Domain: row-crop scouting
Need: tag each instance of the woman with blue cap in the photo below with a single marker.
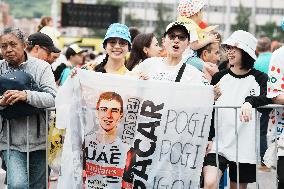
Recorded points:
(117, 43)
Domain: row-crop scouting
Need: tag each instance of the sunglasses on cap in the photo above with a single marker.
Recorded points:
(114, 41)
(181, 37)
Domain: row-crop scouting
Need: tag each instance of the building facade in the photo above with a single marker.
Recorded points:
(218, 12)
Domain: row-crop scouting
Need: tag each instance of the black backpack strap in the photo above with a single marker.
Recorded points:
(38, 125)
(3, 125)
(180, 72)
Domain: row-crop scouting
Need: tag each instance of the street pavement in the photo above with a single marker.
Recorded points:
(267, 180)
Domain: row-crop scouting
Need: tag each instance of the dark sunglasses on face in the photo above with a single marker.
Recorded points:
(228, 48)
(181, 37)
(121, 42)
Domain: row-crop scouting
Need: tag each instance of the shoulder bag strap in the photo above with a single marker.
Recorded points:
(180, 72)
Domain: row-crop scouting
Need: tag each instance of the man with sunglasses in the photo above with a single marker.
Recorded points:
(175, 41)
(41, 46)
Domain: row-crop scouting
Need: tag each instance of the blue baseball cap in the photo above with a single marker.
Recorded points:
(118, 30)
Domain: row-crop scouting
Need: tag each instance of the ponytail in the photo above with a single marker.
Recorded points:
(101, 66)
(39, 27)
(133, 60)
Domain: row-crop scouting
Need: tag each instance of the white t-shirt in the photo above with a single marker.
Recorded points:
(235, 90)
(105, 164)
(157, 69)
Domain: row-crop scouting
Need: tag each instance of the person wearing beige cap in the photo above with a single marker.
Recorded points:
(240, 84)
(75, 57)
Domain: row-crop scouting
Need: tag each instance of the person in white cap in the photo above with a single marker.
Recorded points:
(176, 40)
(239, 84)
(190, 13)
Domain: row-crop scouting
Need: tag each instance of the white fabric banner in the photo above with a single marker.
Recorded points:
(137, 134)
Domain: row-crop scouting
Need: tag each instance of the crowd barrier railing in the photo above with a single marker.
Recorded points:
(48, 112)
(257, 139)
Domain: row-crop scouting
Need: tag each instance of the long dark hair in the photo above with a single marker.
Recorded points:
(101, 66)
(247, 60)
(137, 54)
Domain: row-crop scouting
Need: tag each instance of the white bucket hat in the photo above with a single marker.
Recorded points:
(243, 40)
(188, 8)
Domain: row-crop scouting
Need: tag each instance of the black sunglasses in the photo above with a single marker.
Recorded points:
(181, 37)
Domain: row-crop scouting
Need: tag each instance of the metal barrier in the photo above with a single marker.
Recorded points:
(236, 109)
(47, 115)
(8, 133)
(257, 139)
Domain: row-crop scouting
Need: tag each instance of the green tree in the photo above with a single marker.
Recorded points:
(111, 2)
(131, 21)
(37, 14)
(163, 14)
(271, 30)
(29, 9)
(242, 19)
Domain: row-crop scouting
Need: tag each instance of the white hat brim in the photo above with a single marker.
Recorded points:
(240, 45)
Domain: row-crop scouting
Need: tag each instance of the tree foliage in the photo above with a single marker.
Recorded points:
(111, 2)
(271, 30)
(131, 21)
(29, 8)
(163, 14)
(100, 33)
(242, 19)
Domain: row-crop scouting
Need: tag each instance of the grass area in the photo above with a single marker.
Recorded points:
(29, 8)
